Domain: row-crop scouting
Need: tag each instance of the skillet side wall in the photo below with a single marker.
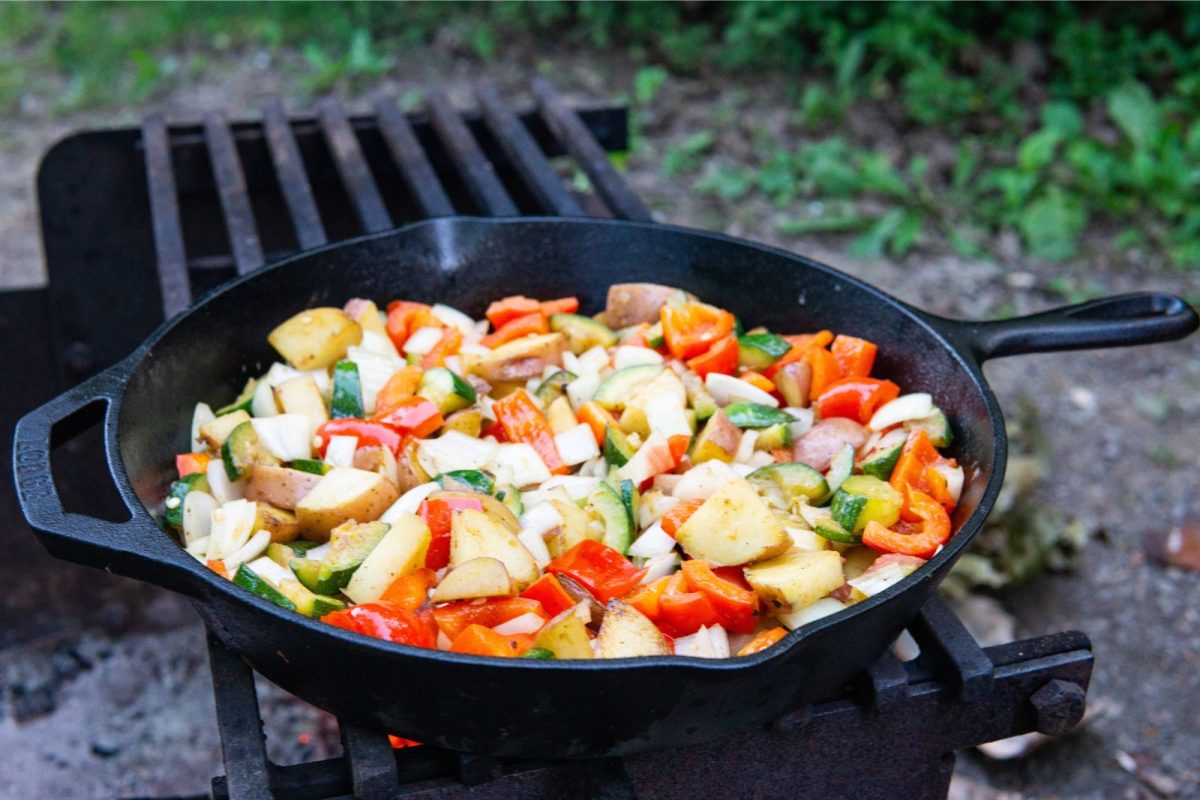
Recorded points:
(572, 709)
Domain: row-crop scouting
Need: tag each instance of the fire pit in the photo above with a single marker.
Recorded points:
(186, 207)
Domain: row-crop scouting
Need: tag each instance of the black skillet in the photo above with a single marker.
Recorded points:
(520, 707)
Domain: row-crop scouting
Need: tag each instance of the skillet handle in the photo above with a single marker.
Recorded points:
(136, 548)
(1119, 321)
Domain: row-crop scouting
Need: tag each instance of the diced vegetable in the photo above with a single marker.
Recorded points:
(479, 577)
(754, 415)
(796, 579)
(347, 391)
(936, 425)
(446, 390)
(582, 333)
(606, 503)
(792, 481)
(216, 431)
(243, 401)
(633, 303)
(300, 395)
(733, 527)
(726, 389)
(344, 494)
(618, 388)
(248, 579)
(759, 350)
(315, 338)
(177, 494)
(565, 636)
(626, 632)
(863, 499)
(242, 448)
(475, 534)
(521, 359)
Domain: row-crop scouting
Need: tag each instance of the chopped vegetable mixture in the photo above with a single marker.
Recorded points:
(542, 484)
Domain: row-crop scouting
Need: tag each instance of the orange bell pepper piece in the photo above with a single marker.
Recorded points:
(563, 305)
(597, 418)
(548, 591)
(453, 618)
(679, 514)
(403, 318)
(401, 386)
(191, 463)
(509, 308)
(447, 346)
(517, 328)
(759, 381)
(523, 422)
(415, 416)
(800, 342)
(480, 641)
(915, 468)
(410, 591)
(912, 539)
(762, 641)
(855, 356)
(690, 329)
(217, 566)
(722, 357)
(825, 369)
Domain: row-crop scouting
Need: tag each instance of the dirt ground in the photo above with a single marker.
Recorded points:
(1123, 428)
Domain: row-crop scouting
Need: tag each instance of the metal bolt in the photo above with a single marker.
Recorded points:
(1059, 705)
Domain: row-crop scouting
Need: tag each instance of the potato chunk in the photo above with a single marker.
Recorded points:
(633, 303)
(719, 440)
(796, 579)
(300, 395)
(315, 338)
(733, 527)
(479, 577)
(278, 522)
(343, 494)
(279, 486)
(476, 534)
(215, 432)
(401, 550)
(566, 635)
(627, 632)
(521, 359)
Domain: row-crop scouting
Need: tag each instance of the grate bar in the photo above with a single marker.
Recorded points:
(372, 764)
(565, 123)
(164, 213)
(352, 167)
(293, 180)
(410, 157)
(888, 682)
(941, 634)
(477, 171)
(526, 157)
(232, 192)
(243, 746)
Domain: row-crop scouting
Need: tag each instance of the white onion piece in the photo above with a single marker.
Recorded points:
(317, 553)
(593, 360)
(453, 317)
(803, 423)
(582, 389)
(954, 479)
(201, 416)
(822, 608)
(536, 545)
(197, 516)
(374, 371)
(666, 483)
(286, 436)
(422, 341)
(653, 506)
(666, 416)
(454, 450)
(518, 465)
(540, 519)
(526, 623)
(263, 403)
(727, 389)
(654, 542)
(340, 451)
(220, 487)
(253, 548)
(232, 527)
(571, 363)
(631, 356)
(576, 445)
(746, 446)
(455, 365)
(378, 344)
(902, 409)
(719, 640)
(409, 502)
(577, 487)
(659, 566)
(269, 571)
(198, 549)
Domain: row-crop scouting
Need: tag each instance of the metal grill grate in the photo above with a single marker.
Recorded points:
(488, 159)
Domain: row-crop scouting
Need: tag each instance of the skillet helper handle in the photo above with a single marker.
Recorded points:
(1119, 321)
(137, 548)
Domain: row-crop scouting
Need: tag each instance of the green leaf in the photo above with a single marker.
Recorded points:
(1037, 151)
(906, 235)
(1051, 224)
(727, 183)
(1134, 111)
(1063, 118)
(646, 83)
(872, 243)
(686, 156)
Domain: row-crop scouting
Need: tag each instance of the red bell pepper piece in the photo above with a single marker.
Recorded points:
(410, 591)
(369, 432)
(736, 605)
(550, 593)
(523, 422)
(921, 539)
(454, 618)
(480, 641)
(679, 514)
(687, 612)
(598, 568)
(800, 342)
(438, 513)
(191, 463)
(915, 468)
(855, 356)
(448, 345)
(762, 641)
(403, 318)
(690, 329)
(647, 599)
(385, 621)
(722, 357)
(516, 328)
(856, 398)
(501, 311)
(415, 416)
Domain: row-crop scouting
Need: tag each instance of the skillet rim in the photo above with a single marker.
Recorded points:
(942, 329)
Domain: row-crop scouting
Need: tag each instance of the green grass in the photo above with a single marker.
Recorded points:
(1068, 120)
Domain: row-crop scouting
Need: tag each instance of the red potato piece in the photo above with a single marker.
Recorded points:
(818, 447)
(635, 303)
(279, 486)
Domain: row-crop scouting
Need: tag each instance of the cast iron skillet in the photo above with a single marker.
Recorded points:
(518, 707)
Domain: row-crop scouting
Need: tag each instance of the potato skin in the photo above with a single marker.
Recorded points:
(634, 303)
(315, 338)
(627, 632)
(719, 440)
(479, 577)
(279, 486)
(344, 494)
(566, 636)
(521, 359)
(475, 534)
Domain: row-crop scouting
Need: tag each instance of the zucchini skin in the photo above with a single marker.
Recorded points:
(756, 415)
(618, 529)
(347, 399)
(616, 450)
(173, 515)
(760, 350)
(242, 449)
(248, 579)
